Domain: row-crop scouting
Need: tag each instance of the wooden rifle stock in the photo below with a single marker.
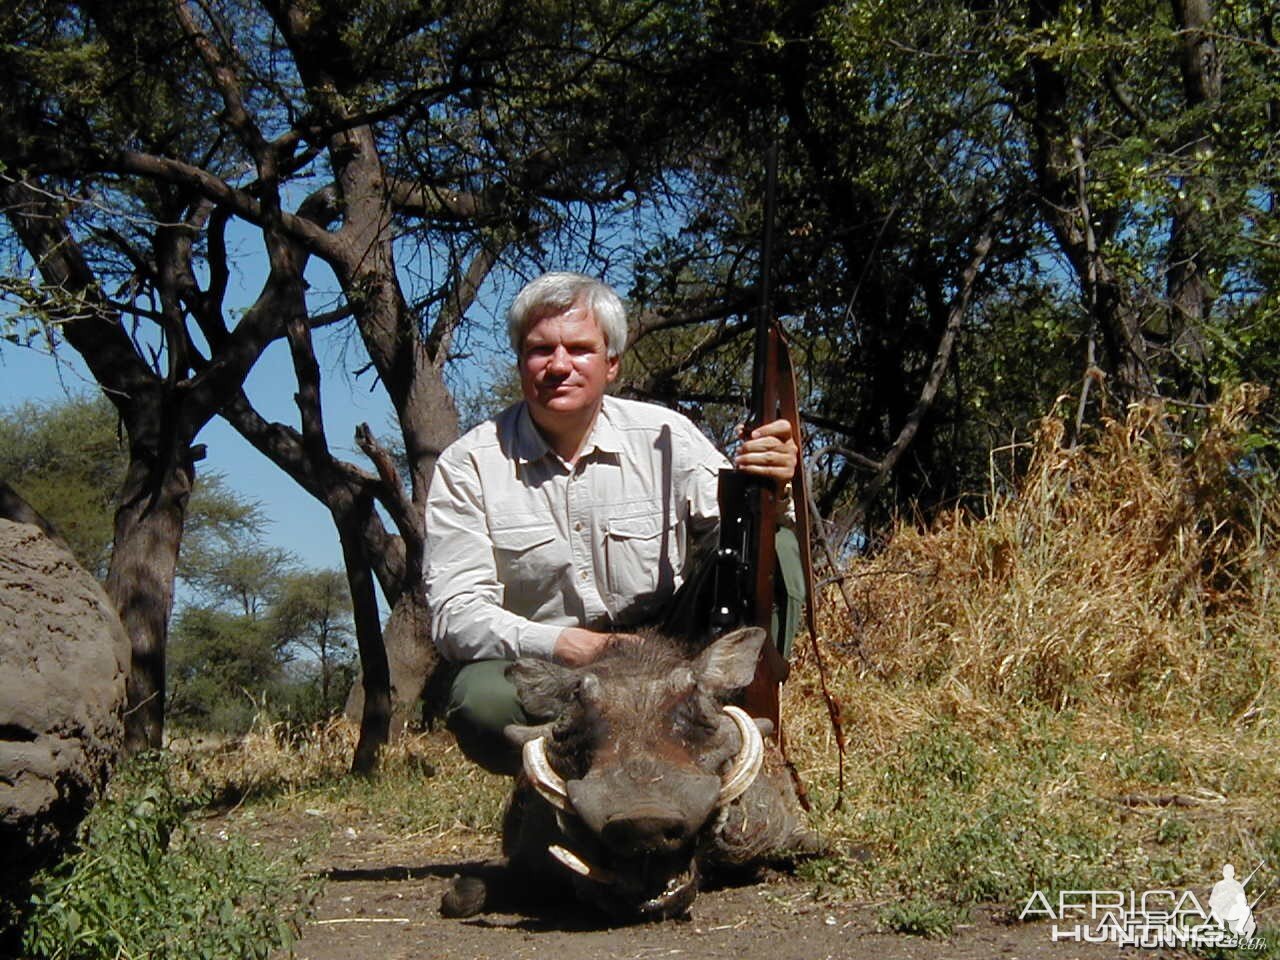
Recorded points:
(761, 698)
(748, 502)
(747, 559)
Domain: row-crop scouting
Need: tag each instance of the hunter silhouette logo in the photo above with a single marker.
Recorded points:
(1229, 904)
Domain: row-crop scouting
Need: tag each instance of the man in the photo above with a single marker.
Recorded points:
(570, 514)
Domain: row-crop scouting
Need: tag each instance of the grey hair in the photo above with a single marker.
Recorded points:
(560, 290)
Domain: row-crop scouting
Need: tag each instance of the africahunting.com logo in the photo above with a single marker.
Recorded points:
(1155, 918)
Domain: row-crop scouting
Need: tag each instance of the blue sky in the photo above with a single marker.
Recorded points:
(298, 522)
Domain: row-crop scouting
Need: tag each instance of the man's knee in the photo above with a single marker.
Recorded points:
(483, 696)
(482, 702)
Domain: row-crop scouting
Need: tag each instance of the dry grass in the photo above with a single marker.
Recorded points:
(1086, 669)
(269, 757)
(424, 784)
(1118, 576)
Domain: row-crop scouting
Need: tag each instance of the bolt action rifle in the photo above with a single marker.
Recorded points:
(746, 558)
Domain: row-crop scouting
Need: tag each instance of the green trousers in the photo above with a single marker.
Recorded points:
(482, 701)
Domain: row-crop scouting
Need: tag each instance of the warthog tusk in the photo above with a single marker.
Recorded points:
(578, 865)
(548, 783)
(746, 765)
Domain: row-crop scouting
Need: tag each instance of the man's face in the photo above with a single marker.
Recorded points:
(565, 367)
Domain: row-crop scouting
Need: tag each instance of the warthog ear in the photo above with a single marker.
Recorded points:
(729, 662)
(545, 688)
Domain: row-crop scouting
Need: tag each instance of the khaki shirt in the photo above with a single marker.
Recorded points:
(521, 545)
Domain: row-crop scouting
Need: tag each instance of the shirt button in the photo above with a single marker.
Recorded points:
(578, 526)
(582, 574)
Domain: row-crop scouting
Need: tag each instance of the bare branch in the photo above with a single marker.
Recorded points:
(942, 357)
(224, 77)
(428, 200)
(852, 456)
(283, 446)
(91, 327)
(390, 491)
(459, 299)
(167, 170)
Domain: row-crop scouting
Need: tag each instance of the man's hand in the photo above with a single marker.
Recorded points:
(770, 451)
(577, 646)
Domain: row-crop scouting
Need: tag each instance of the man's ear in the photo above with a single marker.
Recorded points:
(729, 662)
(615, 365)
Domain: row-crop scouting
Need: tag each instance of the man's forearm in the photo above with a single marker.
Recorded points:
(469, 628)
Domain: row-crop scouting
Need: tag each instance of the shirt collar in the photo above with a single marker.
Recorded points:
(530, 445)
(604, 437)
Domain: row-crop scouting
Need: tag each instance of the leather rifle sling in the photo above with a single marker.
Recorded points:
(790, 410)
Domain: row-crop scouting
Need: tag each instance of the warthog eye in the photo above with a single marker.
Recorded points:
(692, 720)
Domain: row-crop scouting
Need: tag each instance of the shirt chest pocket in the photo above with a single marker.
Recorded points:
(528, 557)
(641, 553)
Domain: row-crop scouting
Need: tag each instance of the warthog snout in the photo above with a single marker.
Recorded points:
(639, 832)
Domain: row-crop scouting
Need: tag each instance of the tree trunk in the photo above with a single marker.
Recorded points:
(144, 560)
(1188, 292)
(411, 660)
(375, 720)
(424, 409)
(324, 671)
(153, 500)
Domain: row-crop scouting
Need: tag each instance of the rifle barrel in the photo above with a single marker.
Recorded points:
(764, 312)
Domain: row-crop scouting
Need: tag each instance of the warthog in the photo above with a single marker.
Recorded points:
(642, 780)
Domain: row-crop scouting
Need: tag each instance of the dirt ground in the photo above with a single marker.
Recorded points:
(383, 892)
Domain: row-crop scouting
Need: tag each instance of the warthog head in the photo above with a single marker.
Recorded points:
(640, 762)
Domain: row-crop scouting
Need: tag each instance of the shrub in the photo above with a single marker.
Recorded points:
(145, 884)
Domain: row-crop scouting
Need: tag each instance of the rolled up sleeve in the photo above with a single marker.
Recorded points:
(464, 595)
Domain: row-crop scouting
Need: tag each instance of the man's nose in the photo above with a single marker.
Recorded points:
(560, 361)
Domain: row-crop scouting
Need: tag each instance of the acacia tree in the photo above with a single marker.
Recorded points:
(259, 645)
(344, 136)
(162, 409)
(311, 621)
